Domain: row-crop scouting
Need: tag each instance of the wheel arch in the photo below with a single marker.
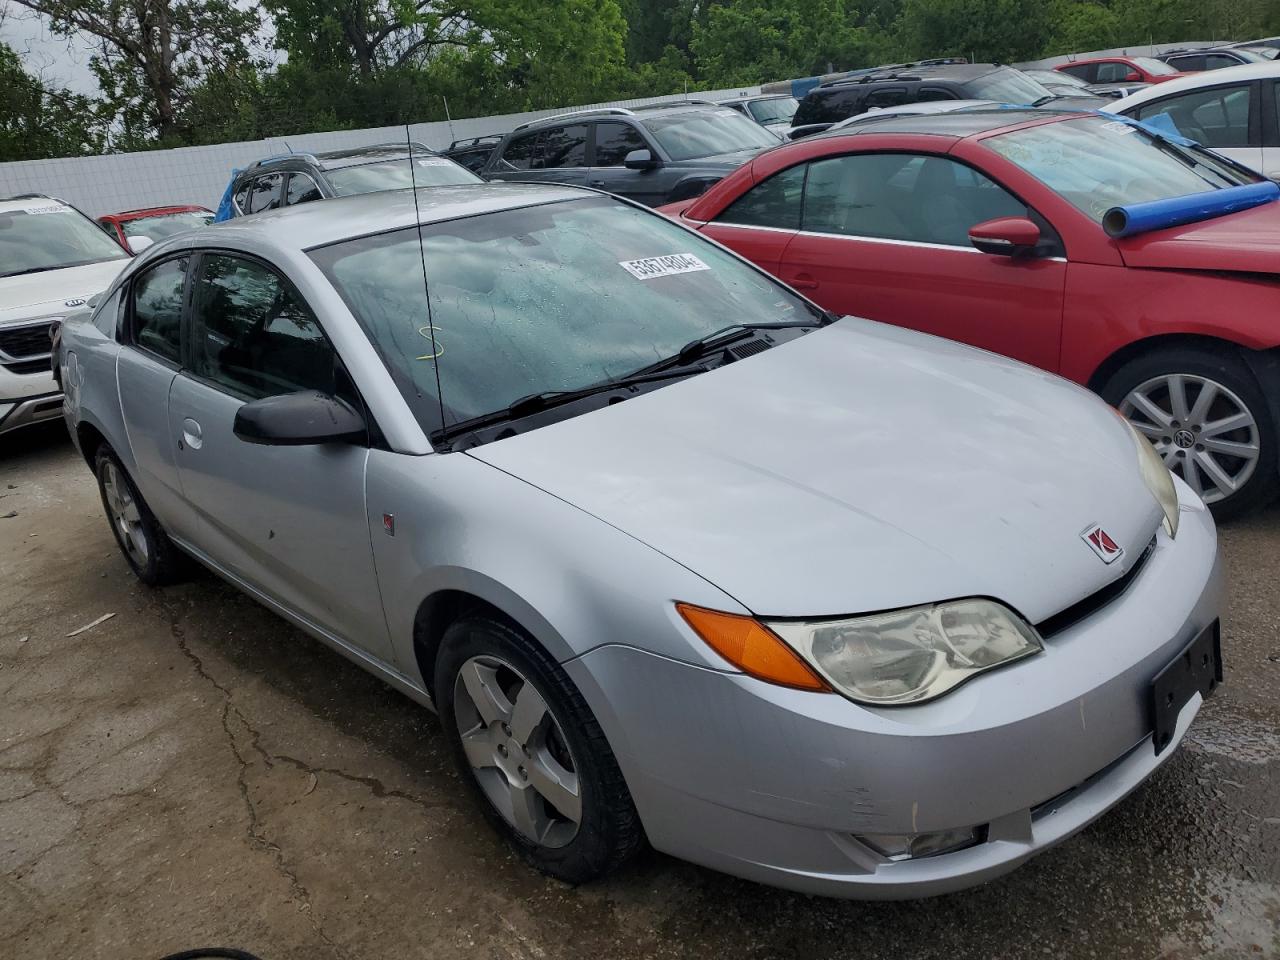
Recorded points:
(89, 439)
(1107, 369)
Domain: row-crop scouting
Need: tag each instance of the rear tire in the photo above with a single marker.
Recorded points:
(146, 547)
(1208, 418)
(534, 754)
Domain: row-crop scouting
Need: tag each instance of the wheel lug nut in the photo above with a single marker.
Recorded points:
(1166, 439)
(524, 774)
(526, 750)
(502, 749)
(1175, 424)
(1199, 446)
(506, 728)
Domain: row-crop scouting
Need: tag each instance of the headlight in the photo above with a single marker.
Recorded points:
(912, 655)
(1158, 480)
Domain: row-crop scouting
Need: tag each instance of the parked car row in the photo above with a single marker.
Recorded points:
(695, 523)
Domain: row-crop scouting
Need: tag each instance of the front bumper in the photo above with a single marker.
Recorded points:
(25, 412)
(774, 784)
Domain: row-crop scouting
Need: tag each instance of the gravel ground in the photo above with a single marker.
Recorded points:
(194, 771)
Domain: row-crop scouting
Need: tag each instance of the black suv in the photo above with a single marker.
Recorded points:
(302, 177)
(840, 99)
(656, 154)
(474, 152)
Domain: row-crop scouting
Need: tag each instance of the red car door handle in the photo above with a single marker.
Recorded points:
(803, 281)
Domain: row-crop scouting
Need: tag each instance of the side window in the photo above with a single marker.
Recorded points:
(773, 203)
(899, 196)
(302, 189)
(887, 97)
(1216, 61)
(522, 152)
(1085, 71)
(1112, 72)
(242, 198)
(157, 308)
(927, 94)
(253, 334)
(614, 141)
(1217, 117)
(565, 147)
(264, 192)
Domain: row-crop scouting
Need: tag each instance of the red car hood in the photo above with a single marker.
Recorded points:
(1244, 242)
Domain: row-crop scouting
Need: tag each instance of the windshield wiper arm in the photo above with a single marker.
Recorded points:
(20, 273)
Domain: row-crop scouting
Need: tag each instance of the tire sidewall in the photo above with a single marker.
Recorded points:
(150, 572)
(1231, 372)
(589, 853)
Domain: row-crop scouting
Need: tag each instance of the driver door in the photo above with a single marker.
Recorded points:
(288, 521)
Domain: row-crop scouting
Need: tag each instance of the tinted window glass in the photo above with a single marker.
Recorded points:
(302, 189)
(522, 152)
(264, 192)
(537, 299)
(253, 334)
(1114, 72)
(1085, 71)
(773, 203)
(1216, 61)
(46, 235)
(565, 147)
(242, 198)
(928, 94)
(697, 134)
(1096, 164)
(473, 161)
(614, 141)
(1218, 117)
(887, 97)
(780, 110)
(1189, 63)
(902, 197)
(428, 171)
(157, 308)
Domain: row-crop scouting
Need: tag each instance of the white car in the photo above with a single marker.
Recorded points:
(52, 260)
(1231, 111)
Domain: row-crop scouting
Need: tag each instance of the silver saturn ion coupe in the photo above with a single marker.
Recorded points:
(677, 557)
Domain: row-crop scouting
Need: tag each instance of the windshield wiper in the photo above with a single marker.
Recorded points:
(21, 273)
(537, 402)
(55, 266)
(699, 348)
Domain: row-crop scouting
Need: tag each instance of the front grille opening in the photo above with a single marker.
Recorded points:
(1095, 601)
(39, 365)
(21, 343)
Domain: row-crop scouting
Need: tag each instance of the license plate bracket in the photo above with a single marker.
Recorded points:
(1196, 669)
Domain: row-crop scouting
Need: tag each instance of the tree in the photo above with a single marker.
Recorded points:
(38, 121)
(151, 52)
(988, 30)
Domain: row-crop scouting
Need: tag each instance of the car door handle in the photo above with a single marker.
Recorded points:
(802, 281)
(191, 434)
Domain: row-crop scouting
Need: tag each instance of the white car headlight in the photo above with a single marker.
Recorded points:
(912, 655)
(1158, 480)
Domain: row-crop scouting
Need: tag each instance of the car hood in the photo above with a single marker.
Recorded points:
(45, 294)
(729, 161)
(1247, 242)
(858, 468)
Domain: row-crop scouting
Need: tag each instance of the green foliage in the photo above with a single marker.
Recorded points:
(181, 71)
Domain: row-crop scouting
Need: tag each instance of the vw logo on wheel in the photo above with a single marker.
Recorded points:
(1184, 439)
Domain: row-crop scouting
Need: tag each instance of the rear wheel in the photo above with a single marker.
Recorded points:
(526, 740)
(1208, 419)
(146, 547)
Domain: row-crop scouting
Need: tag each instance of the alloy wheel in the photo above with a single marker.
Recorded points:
(517, 751)
(1204, 432)
(124, 513)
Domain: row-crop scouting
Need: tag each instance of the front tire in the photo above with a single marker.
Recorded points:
(1208, 419)
(528, 744)
(146, 547)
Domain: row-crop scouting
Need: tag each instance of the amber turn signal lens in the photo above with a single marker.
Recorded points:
(751, 647)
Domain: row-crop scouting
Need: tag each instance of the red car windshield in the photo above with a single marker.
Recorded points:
(165, 225)
(1096, 163)
(1155, 67)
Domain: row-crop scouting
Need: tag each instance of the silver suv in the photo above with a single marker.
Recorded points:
(52, 260)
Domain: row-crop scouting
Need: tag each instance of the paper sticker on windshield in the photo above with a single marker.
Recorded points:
(46, 208)
(435, 162)
(1120, 127)
(650, 268)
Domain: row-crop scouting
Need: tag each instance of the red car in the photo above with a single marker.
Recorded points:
(1121, 70)
(154, 223)
(987, 227)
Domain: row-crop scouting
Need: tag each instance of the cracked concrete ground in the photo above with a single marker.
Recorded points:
(194, 771)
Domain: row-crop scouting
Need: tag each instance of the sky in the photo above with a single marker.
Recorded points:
(55, 61)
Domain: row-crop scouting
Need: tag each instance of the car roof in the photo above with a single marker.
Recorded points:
(309, 225)
(1193, 81)
(876, 114)
(336, 159)
(946, 71)
(24, 201)
(957, 124)
(144, 212)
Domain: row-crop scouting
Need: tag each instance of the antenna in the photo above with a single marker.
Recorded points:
(286, 145)
(447, 116)
(422, 256)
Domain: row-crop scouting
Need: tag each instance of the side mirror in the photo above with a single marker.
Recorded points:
(138, 244)
(640, 160)
(1133, 76)
(1006, 237)
(299, 419)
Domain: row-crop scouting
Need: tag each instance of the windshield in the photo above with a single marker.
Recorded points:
(47, 235)
(1096, 164)
(396, 174)
(691, 136)
(167, 224)
(1153, 66)
(780, 110)
(1252, 56)
(1051, 77)
(552, 297)
(1007, 85)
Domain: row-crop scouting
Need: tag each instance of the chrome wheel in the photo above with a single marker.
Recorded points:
(1204, 432)
(517, 751)
(124, 514)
